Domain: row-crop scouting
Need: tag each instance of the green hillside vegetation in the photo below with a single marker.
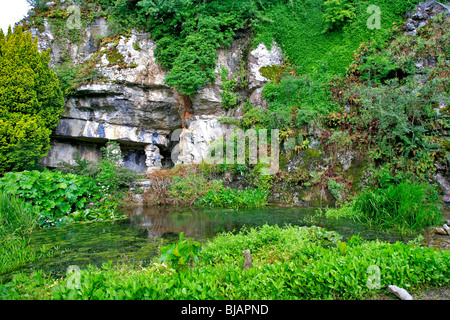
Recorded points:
(349, 73)
(350, 85)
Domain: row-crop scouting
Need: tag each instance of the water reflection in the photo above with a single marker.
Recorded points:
(168, 222)
(139, 237)
(204, 224)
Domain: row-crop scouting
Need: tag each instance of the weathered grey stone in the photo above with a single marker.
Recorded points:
(401, 293)
(262, 57)
(411, 25)
(195, 141)
(423, 13)
(345, 158)
(420, 15)
(443, 182)
(66, 152)
(143, 184)
(132, 104)
(247, 260)
(446, 228)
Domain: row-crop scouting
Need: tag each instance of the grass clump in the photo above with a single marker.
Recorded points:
(405, 206)
(233, 198)
(17, 220)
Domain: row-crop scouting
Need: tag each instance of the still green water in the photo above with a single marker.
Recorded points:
(137, 238)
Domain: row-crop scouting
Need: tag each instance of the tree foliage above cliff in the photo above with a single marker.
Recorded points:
(316, 35)
(188, 33)
(31, 101)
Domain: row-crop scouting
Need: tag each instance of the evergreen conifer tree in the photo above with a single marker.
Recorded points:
(31, 101)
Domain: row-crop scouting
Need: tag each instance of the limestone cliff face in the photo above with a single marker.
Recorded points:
(134, 106)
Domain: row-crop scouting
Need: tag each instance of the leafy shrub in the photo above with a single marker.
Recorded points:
(56, 195)
(401, 118)
(336, 189)
(299, 30)
(72, 76)
(254, 117)
(303, 96)
(337, 12)
(188, 34)
(181, 185)
(108, 172)
(180, 254)
(290, 144)
(229, 97)
(188, 189)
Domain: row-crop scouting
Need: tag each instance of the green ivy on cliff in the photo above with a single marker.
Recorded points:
(303, 30)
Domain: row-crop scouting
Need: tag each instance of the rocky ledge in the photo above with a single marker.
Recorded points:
(131, 104)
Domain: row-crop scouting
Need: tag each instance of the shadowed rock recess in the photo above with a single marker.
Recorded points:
(131, 104)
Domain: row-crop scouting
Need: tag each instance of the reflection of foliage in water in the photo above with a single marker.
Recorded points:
(138, 239)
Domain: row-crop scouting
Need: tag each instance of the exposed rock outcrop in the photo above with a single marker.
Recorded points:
(424, 11)
(130, 102)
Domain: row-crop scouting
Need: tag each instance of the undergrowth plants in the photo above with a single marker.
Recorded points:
(55, 195)
(405, 206)
(288, 263)
(248, 198)
(395, 202)
(194, 185)
(18, 219)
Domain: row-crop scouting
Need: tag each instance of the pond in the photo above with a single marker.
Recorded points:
(137, 238)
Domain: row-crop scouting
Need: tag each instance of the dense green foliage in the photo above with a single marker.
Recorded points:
(56, 195)
(29, 199)
(17, 220)
(180, 186)
(288, 263)
(188, 34)
(355, 84)
(396, 108)
(301, 30)
(82, 192)
(296, 101)
(189, 185)
(234, 198)
(397, 202)
(180, 254)
(106, 171)
(31, 101)
(404, 206)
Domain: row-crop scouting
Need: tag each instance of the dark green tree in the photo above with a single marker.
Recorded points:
(31, 101)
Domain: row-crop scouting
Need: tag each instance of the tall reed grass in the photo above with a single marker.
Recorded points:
(17, 220)
(404, 206)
